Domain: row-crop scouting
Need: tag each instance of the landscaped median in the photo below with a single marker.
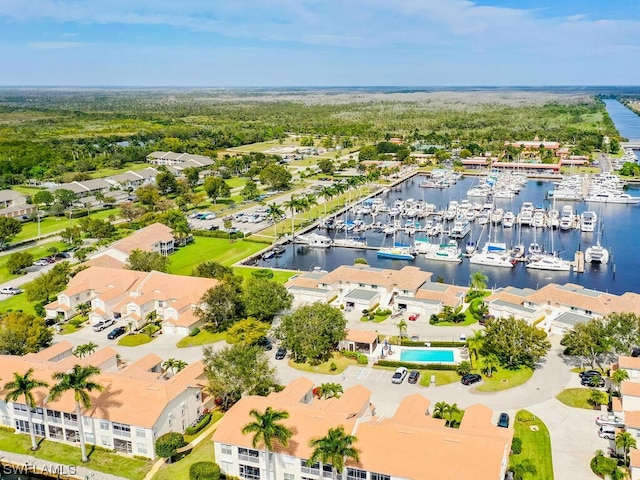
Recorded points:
(534, 459)
(100, 459)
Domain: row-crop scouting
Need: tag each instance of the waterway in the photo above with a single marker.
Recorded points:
(619, 234)
(626, 121)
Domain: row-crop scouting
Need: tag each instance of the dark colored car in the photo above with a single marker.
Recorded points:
(592, 381)
(589, 373)
(281, 353)
(414, 375)
(265, 343)
(470, 378)
(116, 332)
(504, 420)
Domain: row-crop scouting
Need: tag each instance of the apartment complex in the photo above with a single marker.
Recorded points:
(139, 403)
(180, 160)
(14, 204)
(409, 445)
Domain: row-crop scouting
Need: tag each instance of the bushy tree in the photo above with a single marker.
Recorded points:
(147, 261)
(9, 227)
(250, 190)
(276, 176)
(515, 342)
(21, 333)
(224, 303)
(168, 444)
(237, 371)
(18, 261)
(211, 269)
(264, 298)
(43, 197)
(247, 331)
(216, 188)
(46, 286)
(312, 332)
(166, 183)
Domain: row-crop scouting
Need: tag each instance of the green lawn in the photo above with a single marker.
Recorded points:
(202, 338)
(63, 454)
(17, 303)
(280, 276)
(536, 445)
(504, 379)
(54, 224)
(37, 252)
(236, 182)
(134, 339)
(215, 416)
(443, 377)
(341, 363)
(204, 249)
(576, 397)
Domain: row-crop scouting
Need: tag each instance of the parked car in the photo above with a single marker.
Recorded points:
(62, 255)
(281, 353)
(470, 378)
(504, 420)
(463, 337)
(607, 431)
(10, 290)
(414, 375)
(610, 419)
(399, 375)
(41, 263)
(116, 332)
(592, 381)
(414, 316)
(101, 325)
(589, 373)
(265, 343)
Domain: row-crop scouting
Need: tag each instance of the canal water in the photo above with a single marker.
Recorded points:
(620, 234)
(626, 121)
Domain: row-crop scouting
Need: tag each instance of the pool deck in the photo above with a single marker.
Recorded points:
(459, 354)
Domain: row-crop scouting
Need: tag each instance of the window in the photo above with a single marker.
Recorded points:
(312, 468)
(248, 455)
(356, 474)
(106, 441)
(56, 432)
(72, 417)
(6, 420)
(142, 448)
(104, 425)
(90, 437)
(379, 476)
(141, 433)
(23, 426)
(226, 449)
(19, 408)
(289, 476)
(54, 416)
(123, 446)
(226, 466)
(249, 472)
(121, 429)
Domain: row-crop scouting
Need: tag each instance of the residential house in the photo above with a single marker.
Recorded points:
(134, 298)
(139, 403)
(86, 188)
(174, 159)
(363, 341)
(419, 442)
(14, 204)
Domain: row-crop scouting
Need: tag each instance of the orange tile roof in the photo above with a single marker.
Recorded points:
(106, 261)
(630, 388)
(451, 296)
(414, 410)
(634, 455)
(53, 351)
(632, 363)
(361, 336)
(632, 419)
(294, 392)
(408, 278)
(145, 238)
(186, 319)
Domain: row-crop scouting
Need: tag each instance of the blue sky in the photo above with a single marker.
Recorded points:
(319, 42)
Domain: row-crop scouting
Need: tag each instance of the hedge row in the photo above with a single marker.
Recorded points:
(198, 426)
(217, 234)
(416, 366)
(420, 343)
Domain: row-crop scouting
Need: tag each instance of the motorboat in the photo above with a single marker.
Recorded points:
(547, 261)
(566, 219)
(444, 252)
(461, 229)
(470, 247)
(508, 219)
(315, 240)
(492, 259)
(609, 196)
(496, 216)
(553, 218)
(535, 249)
(397, 252)
(596, 254)
(355, 242)
(588, 221)
(422, 246)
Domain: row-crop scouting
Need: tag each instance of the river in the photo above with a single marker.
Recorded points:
(626, 121)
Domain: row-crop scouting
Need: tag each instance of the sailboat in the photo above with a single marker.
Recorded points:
(549, 261)
(597, 253)
(493, 254)
(396, 251)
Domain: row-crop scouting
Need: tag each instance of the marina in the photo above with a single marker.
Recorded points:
(410, 224)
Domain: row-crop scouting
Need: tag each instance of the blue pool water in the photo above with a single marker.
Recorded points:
(426, 355)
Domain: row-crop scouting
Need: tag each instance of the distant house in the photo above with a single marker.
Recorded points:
(14, 204)
(182, 159)
(86, 187)
(139, 403)
(132, 296)
(534, 144)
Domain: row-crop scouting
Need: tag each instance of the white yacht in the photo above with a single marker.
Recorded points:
(549, 262)
(538, 219)
(492, 259)
(315, 240)
(596, 254)
(588, 221)
(566, 219)
(609, 196)
(355, 242)
(553, 218)
(461, 229)
(508, 219)
(496, 216)
(444, 252)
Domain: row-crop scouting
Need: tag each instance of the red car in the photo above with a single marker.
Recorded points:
(414, 316)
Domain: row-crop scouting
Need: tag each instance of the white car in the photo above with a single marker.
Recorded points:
(40, 263)
(101, 325)
(607, 431)
(399, 375)
(10, 290)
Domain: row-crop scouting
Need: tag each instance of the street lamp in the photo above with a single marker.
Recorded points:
(39, 214)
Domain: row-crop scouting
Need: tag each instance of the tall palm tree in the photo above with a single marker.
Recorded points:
(440, 409)
(275, 214)
(451, 411)
(296, 205)
(402, 328)
(479, 281)
(85, 349)
(174, 365)
(475, 344)
(335, 448)
(24, 385)
(79, 380)
(491, 363)
(340, 187)
(626, 442)
(311, 201)
(619, 376)
(267, 428)
(327, 193)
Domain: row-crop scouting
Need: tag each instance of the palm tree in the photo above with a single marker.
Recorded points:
(79, 380)
(275, 214)
(335, 448)
(626, 442)
(85, 349)
(327, 193)
(479, 281)
(340, 187)
(267, 428)
(440, 409)
(619, 376)
(311, 201)
(174, 365)
(23, 385)
(402, 328)
(491, 363)
(475, 344)
(296, 205)
(451, 411)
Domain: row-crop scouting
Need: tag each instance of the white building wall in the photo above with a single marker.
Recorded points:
(180, 413)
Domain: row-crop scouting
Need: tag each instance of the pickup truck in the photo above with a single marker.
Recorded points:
(101, 325)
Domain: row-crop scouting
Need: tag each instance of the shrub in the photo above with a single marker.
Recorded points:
(382, 313)
(362, 359)
(194, 332)
(167, 444)
(204, 471)
(516, 445)
(78, 320)
(333, 367)
(603, 466)
(349, 354)
(39, 308)
(198, 426)
(464, 368)
(416, 366)
(262, 273)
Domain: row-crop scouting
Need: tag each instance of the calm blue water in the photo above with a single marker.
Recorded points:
(426, 355)
(621, 235)
(626, 121)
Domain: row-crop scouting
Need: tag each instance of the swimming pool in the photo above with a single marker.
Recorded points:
(427, 355)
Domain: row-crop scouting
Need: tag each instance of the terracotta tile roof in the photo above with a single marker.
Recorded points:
(186, 319)
(105, 261)
(634, 455)
(631, 363)
(630, 388)
(294, 392)
(144, 238)
(450, 295)
(414, 410)
(361, 336)
(55, 350)
(407, 278)
(632, 419)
